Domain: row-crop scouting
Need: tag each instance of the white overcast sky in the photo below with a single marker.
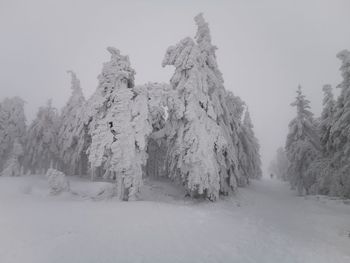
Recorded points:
(266, 48)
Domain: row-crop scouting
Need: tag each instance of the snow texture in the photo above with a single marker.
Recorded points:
(265, 222)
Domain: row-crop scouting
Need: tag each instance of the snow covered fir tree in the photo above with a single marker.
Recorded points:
(203, 131)
(302, 144)
(73, 138)
(119, 126)
(12, 134)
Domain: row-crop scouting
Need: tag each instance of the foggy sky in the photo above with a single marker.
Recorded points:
(265, 49)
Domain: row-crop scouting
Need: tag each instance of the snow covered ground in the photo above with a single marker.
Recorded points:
(265, 222)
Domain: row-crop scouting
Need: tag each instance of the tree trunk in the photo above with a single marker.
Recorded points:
(92, 173)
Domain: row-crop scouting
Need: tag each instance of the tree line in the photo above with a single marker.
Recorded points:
(316, 157)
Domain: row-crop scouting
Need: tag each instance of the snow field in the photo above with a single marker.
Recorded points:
(263, 223)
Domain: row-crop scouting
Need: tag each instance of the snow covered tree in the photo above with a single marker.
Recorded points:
(340, 132)
(252, 165)
(191, 154)
(321, 169)
(73, 136)
(12, 126)
(232, 125)
(326, 116)
(201, 141)
(13, 165)
(302, 146)
(41, 142)
(119, 126)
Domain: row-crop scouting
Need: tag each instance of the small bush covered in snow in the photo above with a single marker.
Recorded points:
(58, 182)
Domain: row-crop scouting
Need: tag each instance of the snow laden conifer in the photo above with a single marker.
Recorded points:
(12, 127)
(201, 149)
(119, 126)
(41, 142)
(73, 135)
(326, 116)
(321, 169)
(251, 148)
(13, 165)
(340, 132)
(302, 146)
(231, 123)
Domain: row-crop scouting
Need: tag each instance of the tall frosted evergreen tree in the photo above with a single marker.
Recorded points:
(73, 136)
(251, 148)
(322, 168)
(340, 131)
(12, 127)
(302, 145)
(202, 141)
(196, 136)
(13, 165)
(41, 142)
(327, 116)
(119, 126)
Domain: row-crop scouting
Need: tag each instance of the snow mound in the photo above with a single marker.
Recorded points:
(94, 190)
(161, 190)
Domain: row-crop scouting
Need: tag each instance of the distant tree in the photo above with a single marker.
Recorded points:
(321, 169)
(340, 132)
(13, 165)
(302, 146)
(73, 136)
(327, 116)
(279, 166)
(12, 126)
(251, 148)
(41, 142)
